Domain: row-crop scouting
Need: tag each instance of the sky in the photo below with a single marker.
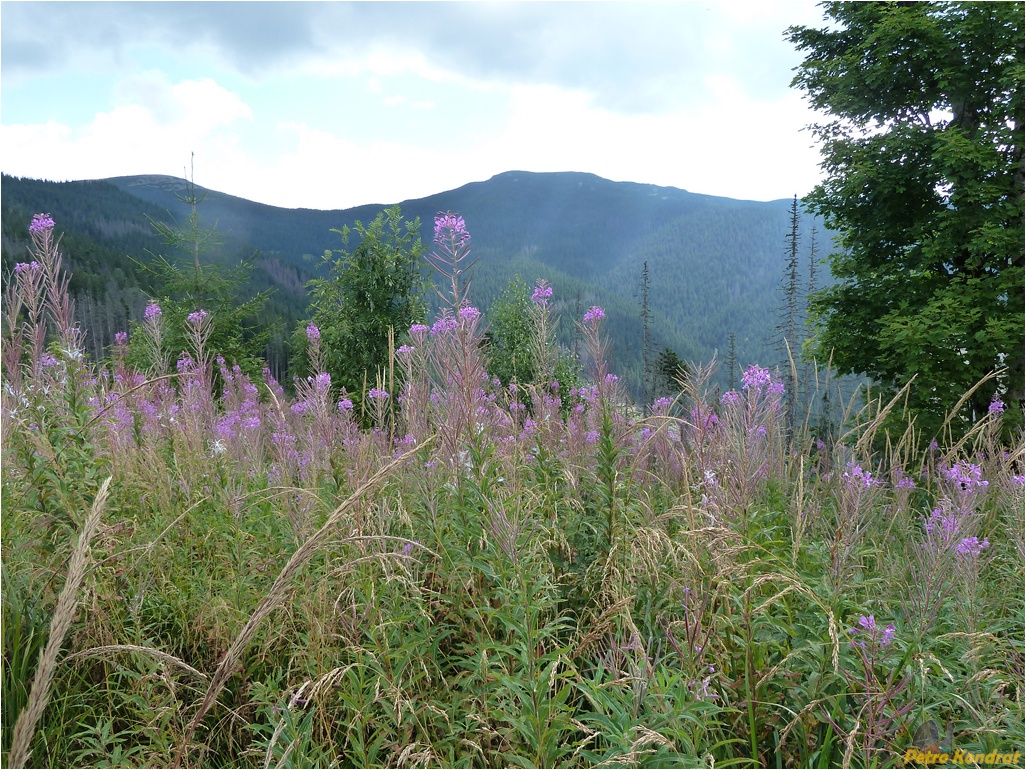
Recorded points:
(331, 105)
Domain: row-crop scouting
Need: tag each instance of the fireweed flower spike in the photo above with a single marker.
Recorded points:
(197, 318)
(313, 333)
(443, 325)
(41, 223)
(971, 546)
(542, 294)
(449, 258)
(594, 315)
(854, 476)
(878, 637)
(730, 398)
(756, 377)
(966, 476)
(450, 229)
(153, 311)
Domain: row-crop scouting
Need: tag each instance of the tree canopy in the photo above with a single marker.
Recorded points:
(374, 291)
(923, 154)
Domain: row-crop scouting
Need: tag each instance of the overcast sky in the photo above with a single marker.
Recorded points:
(331, 105)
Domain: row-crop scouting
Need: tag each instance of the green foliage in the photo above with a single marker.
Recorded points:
(510, 336)
(924, 162)
(25, 629)
(591, 588)
(514, 348)
(235, 331)
(110, 235)
(584, 234)
(670, 373)
(374, 291)
(504, 612)
(109, 305)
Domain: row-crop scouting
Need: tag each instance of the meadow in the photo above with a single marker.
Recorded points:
(201, 569)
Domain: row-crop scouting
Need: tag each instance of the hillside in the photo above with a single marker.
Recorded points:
(715, 263)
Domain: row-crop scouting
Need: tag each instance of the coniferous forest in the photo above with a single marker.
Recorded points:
(545, 471)
(716, 263)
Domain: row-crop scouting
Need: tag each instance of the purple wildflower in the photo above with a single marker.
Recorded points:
(966, 476)
(541, 294)
(197, 318)
(456, 227)
(755, 377)
(377, 394)
(418, 330)
(405, 350)
(40, 223)
(971, 546)
(702, 418)
(888, 635)
(121, 339)
(905, 482)
(996, 406)
(594, 315)
(878, 637)
(941, 524)
(730, 398)
(48, 359)
(345, 405)
(23, 267)
(312, 332)
(701, 689)
(854, 476)
(153, 311)
(443, 325)
(469, 314)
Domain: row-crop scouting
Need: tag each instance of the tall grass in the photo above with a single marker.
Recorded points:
(532, 576)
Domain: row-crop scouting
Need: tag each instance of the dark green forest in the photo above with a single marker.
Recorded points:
(716, 264)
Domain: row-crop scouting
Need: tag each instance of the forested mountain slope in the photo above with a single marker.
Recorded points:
(716, 264)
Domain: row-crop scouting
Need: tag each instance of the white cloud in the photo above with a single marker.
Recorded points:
(324, 170)
(683, 95)
(152, 129)
(735, 147)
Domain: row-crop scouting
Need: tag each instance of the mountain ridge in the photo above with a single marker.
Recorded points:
(716, 263)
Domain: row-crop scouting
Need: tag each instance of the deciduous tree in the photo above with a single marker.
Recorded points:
(923, 154)
(376, 287)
